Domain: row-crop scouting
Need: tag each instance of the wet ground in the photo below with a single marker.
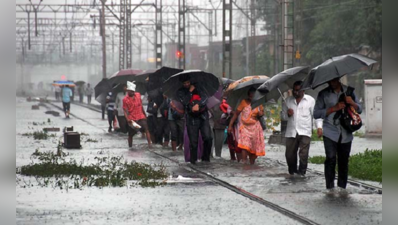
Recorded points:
(196, 201)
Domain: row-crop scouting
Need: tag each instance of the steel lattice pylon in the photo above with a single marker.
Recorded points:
(129, 59)
(122, 34)
(227, 38)
(158, 35)
(181, 34)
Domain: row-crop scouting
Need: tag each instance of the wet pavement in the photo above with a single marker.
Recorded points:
(182, 201)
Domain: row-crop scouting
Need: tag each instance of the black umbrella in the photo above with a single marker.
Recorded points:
(156, 79)
(101, 90)
(207, 82)
(279, 83)
(336, 67)
(143, 77)
(238, 90)
(80, 83)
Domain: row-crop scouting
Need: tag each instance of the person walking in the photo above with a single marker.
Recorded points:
(337, 140)
(218, 128)
(57, 93)
(176, 123)
(119, 110)
(66, 98)
(250, 133)
(80, 91)
(152, 111)
(194, 101)
(89, 93)
(163, 122)
(134, 113)
(110, 102)
(298, 110)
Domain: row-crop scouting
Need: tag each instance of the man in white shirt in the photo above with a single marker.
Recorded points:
(298, 111)
(119, 110)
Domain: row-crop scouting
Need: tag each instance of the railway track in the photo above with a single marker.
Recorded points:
(237, 190)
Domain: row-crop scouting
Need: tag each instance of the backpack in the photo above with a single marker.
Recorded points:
(349, 118)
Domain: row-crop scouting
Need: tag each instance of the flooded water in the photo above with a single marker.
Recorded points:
(188, 198)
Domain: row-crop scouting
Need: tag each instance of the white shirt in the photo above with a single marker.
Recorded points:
(301, 121)
(119, 103)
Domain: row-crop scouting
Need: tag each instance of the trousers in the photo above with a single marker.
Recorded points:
(301, 145)
(342, 151)
(194, 126)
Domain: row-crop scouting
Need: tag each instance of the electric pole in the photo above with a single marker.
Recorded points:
(103, 39)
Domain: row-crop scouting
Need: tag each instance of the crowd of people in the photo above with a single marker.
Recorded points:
(188, 124)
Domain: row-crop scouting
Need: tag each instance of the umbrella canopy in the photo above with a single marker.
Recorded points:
(101, 90)
(279, 83)
(226, 81)
(207, 82)
(237, 91)
(143, 76)
(123, 76)
(80, 83)
(63, 83)
(336, 67)
(156, 79)
(211, 102)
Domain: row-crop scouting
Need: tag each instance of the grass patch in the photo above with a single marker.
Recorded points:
(314, 136)
(91, 140)
(54, 170)
(359, 134)
(365, 166)
(42, 123)
(39, 135)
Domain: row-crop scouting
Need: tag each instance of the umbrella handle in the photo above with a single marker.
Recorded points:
(283, 97)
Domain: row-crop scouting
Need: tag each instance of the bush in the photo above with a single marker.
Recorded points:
(365, 166)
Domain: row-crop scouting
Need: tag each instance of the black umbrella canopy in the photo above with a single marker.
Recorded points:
(279, 83)
(143, 77)
(336, 67)
(207, 82)
(102, 89)
(156, 79)
(80, 83)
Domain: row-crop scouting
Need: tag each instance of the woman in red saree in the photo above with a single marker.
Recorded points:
(250, 136)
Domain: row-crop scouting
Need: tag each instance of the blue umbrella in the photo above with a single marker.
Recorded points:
(63, 83)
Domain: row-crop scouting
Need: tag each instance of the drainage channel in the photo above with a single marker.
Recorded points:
(222, 183)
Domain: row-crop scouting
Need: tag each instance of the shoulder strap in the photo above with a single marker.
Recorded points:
(350, 92)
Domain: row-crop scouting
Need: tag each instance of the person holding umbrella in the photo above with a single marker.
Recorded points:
(66, 97)
(298, 110)
(134, 113)
(250, 134)
(336, 138)
(194, 101)
(332, 103)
